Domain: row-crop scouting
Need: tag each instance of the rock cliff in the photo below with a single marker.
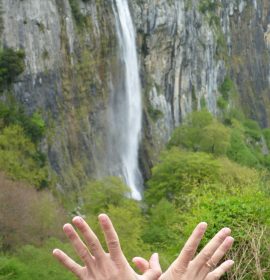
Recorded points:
(186, 50)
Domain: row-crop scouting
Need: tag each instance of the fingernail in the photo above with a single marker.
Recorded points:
(230, 239)
(77, 219)
(226, 230)
(203, 225)
(67, 227)
(55, 251)
(102, 218)
(231, 262)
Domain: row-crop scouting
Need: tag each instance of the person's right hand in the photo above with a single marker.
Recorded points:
(204, 265)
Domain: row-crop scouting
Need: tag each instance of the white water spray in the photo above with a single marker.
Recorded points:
(128, 107)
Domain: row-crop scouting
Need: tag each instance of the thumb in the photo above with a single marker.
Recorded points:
(141, 263)
(154, 270)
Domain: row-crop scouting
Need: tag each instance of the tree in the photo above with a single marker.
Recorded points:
(215, 139)
(177, 173)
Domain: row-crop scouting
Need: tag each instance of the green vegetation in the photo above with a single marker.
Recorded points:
(20, 135)
(211, 170)
(154, 114)
(208, 6)
(35, 263)
(201, 132)
(20, 159)
(75, 8)
(11, 65)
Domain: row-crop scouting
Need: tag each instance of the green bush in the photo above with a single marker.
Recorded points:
(252, 129)
(226, 88)
(12, 269)
(11, 65)
(98, 195)
(35, 263)
(189, 133)
(207, 6)
(178, 173)
(266, 134)
(162, 231)
(222, 103)
(247, 213)
(201, 132)
(34, 126)
(19, 157)
(75, 8)
(239, 151)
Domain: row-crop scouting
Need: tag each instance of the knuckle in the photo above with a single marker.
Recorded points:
(71, 235)
(113, 244)
(221, 237)
(178, 270)
(93, 244)
(84, 253)
(206, 255)
(189, 250)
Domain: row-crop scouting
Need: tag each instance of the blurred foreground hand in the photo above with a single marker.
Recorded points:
(202, 267)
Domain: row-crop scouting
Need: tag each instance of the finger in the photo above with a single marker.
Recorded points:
(219, 271)
(208, 251)
(154, 270)
(111, 239)
(67, 262)
(190, 248)
(78, 245)
(90, 238)
(141, 263)
(218, 255)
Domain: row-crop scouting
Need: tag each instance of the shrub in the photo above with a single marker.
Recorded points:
(26, 215)
(252, 129)
(19, 157)
(75, 8)
(247, 213)
(201, 132)
(226, 88)
(239, 151)
(34, 126)
(178, 173)
(12, 269)
(35, 263)
(11, 65)
(188, 135)
(98, 195)
(162, 231)
(207, 6)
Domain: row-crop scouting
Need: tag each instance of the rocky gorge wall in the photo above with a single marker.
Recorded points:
(186, 49)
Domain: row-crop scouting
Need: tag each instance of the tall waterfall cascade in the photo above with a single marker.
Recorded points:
(126, 115)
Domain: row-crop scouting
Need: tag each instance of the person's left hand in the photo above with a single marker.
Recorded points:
(203, 266)
(99, 265)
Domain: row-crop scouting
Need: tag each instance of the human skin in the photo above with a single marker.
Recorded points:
(99, 265)
(204, 265)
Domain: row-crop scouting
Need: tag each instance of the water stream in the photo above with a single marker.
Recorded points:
(126, 116)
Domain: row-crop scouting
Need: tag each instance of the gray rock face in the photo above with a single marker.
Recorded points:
(184, 57)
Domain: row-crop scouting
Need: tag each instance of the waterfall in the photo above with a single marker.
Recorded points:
(126, 104)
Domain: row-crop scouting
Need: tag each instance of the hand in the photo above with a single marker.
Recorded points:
(99, 265)
(203, 266)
